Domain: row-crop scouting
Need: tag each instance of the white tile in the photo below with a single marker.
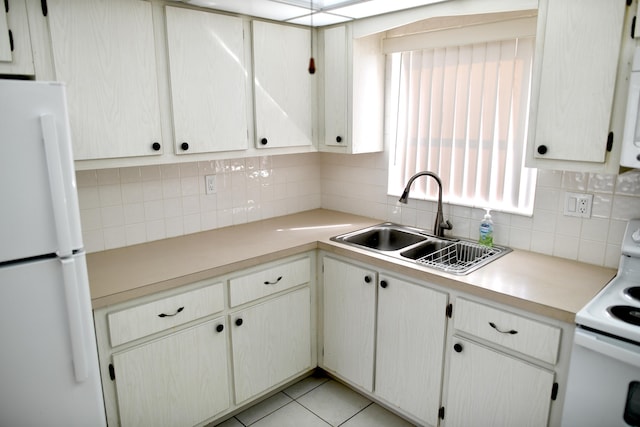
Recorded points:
(171, 188)
(304, 386)
(132, 192)
(152, 190)
(263, 408)
(334, 402)
(114, 237)
(133, 213)
(595, 229)
(88, 197)
(88, 178)
(110, 195)
(291, 415)
(376, 416)
(91, 219)
(112, 216)
(130, 175)
(108, 176)
(231, 422)
(156, 230)
(135, 233)
(592, 252)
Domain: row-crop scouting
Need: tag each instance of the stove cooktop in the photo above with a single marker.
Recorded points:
(616, 309)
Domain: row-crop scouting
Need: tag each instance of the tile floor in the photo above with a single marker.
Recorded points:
(316, 401)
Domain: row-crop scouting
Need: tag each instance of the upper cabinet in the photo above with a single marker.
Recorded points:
(572, 99)
(282, 85)
(104, 51)
(353, 92)
(208, 81)
(15, 42)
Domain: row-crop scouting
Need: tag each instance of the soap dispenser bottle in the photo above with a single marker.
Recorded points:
(486, 230)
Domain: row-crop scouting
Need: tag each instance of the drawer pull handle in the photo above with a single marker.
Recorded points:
(512, 331)
(171, 315)
(274, 282)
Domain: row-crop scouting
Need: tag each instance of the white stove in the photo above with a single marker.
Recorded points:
(603, 388)
(616, 309)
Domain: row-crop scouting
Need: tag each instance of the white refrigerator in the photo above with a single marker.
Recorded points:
(48, 359)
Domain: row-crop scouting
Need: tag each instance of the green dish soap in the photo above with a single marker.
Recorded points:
(486, 230)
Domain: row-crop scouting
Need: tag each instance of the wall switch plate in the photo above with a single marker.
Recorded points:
(577, 204)
(210, 184)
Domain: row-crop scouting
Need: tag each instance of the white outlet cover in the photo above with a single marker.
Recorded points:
(578, 204)
(210, 184)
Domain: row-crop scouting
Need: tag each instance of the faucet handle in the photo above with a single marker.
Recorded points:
(446, 225)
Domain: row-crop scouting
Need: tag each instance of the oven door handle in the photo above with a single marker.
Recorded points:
(620, 352)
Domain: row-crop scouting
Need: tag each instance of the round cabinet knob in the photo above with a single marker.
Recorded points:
(457, 348)
(367, 279)
(384, 284)
(338, 139)
(156, 146)
(542, 149)
(184, 146)
(238, 322)
(264, 141)
(220, 328)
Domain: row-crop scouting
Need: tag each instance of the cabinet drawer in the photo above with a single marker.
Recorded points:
(146, 319)
(269, 281)
(509, 330)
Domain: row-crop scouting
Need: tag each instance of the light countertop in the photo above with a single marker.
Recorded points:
(549, 286)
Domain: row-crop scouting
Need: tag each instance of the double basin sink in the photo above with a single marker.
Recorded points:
(454, 256)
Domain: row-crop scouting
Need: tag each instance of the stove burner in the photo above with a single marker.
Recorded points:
(633, 292)
(626, 313)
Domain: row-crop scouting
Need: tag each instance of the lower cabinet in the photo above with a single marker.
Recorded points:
(407, 345)
(488, 388)
(191, 355)
(271, 343)
(178, 380)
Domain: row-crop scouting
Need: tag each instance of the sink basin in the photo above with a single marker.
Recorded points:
(384, 238)
(411, 244)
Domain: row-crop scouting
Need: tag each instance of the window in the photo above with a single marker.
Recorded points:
(461, 111)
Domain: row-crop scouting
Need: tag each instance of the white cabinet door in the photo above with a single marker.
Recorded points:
(282, 85)
(574, 79)
(488, 388)
(15, 41)
(335, 86)
(354, 73)
(104, 51)
(178, 380)
(271, 343)
(208, 81)
(410, 347)
(349, 321)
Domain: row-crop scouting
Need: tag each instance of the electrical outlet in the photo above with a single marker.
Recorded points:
(210, 184)
(576, 204)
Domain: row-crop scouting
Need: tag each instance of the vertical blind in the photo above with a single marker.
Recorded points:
(462, 113)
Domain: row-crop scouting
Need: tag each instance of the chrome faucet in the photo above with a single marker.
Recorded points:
(440, 223)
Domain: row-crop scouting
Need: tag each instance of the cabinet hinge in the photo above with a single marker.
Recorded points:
(45, 8)
(11, 40)
(610, 141)
(441, 413)
(449, 311)
(112, 372)
(633, 27)
(6, 6)
(554, 391)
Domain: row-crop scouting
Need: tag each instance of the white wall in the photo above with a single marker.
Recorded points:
(126, 206)
(121, 207)
(357, 184)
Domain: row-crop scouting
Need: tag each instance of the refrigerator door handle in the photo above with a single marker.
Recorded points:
(57, 184)
(74, 314)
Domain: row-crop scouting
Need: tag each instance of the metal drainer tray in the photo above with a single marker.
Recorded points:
(460, 257)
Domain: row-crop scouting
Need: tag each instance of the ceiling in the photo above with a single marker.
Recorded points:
(310, 12)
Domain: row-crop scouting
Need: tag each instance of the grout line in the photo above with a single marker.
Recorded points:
(345, 421)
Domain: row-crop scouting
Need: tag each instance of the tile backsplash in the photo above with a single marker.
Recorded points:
(126, 206)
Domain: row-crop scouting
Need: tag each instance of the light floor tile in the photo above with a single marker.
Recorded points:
(231, 422)
(376, 416)
(263, 408)
(334, 402)
(305, 386)
(291, 415)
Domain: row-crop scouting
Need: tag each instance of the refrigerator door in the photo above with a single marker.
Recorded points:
(39, 378)
(40, 212)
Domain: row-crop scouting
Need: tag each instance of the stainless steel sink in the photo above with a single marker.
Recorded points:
(454, 256)
(385, 237)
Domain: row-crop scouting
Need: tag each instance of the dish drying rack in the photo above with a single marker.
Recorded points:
(459, 257)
